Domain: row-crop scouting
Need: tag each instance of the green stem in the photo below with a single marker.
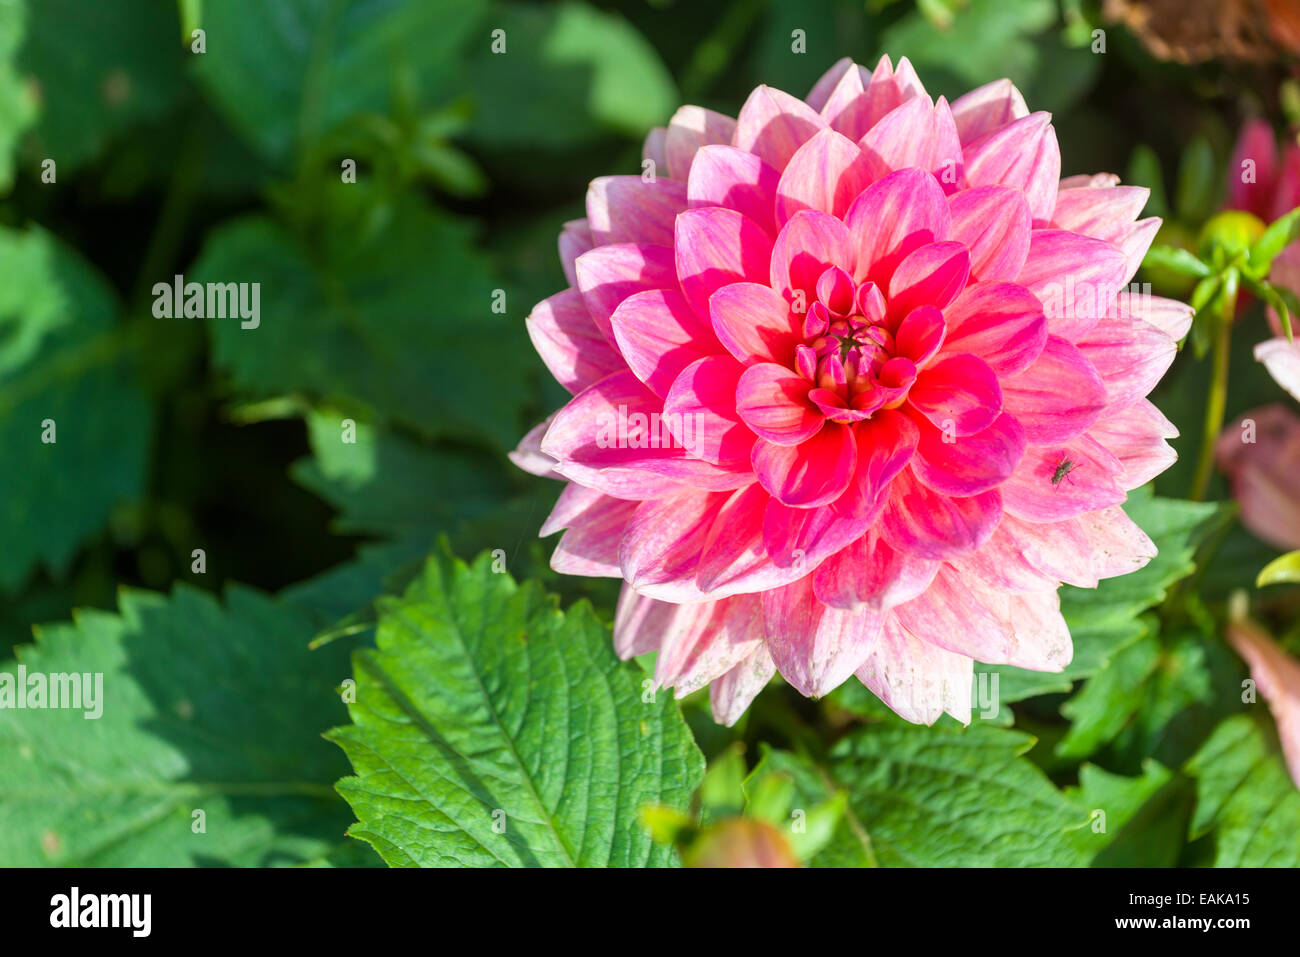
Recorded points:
(1218, 399)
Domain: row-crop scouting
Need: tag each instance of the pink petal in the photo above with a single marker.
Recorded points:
(932, 275)
(660, 548)
(754, 323)
(612, 437)
(773, 125)
(1136, 437)
(655, 149)
(1282, 360)
(1074, 277)
(1000, 322)
(1102, 212)
(574, 240)
(994, 223)
(813, 473)
(590, 547)
(893, 217)
(987, 108)
(609, 274)
(1257, 144)
(1117, 545)
(1059, 550)
(1130, 357)
(726, 176)
(959, 393)
(716, 247)
(870, 570)
(807, 246)
(918, 680)
(734, 558)
(918, 134)
(859, 102)
(1023, 154)
(970, 464)
(701, 412)
(1054, 482)
(731, 694)
(660, 335)
(690, 129)
(826, 174)
(1057, 397)
(773, 402)
(924, 523)
(920, 334)
(529, 456)
(815, 647)
(627, 209)
(1171, 317)
(829, 80)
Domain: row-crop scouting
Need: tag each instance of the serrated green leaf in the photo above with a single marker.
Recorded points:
(950, 796)
(1245, 797)
(1133, 821)
(204, 707)
(289, 73)
(62, 361)
(490, 728)
(409, 333)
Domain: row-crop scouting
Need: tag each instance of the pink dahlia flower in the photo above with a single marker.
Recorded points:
(856, 387)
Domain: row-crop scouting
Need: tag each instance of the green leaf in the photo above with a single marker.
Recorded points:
(1283, 569)
(401, 321)
(62, 361)
(289, 74)
(102, 69)
(1175, 259)
(1282, 233)
(17, 104)
(204, 707)
(1134, 821)
(1245, 796)
(490, 728)
(950, 796)
(584, 71)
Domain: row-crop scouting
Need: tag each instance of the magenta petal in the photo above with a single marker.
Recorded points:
(807, 246)
(1074, 277)
(773, 402)
(930, 276)
(700, 411)
(1055, 482)
(726, 176)
(994, 224)
(569, 342)
(815, 647)
(826, 174)
(612, 437)
(1057, 397)
(918, 135)
(690, 129)
(894, 216)
(987, 108)
(885, 445)
(813, 473)
(773, 125)
(627, 209)
(968, 465)
(754, 323)
(660, 335)
(959, 394)
(609, 274)
(1023, 154)
(872, 571)
(927, 524)
(716, 247)
(920, 334)
(735, 557)
(1000, 322)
